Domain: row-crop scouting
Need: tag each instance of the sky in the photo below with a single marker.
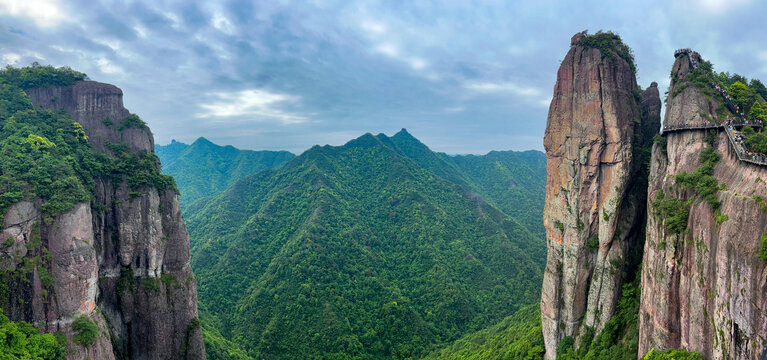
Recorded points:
(462, 76)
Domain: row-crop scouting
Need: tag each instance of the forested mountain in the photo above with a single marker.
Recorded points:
(379, 248)
(205, 169)
(514, 182)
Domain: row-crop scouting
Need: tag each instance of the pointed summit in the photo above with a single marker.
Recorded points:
(201, 141)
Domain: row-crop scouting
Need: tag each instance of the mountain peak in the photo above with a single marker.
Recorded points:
(203, 141)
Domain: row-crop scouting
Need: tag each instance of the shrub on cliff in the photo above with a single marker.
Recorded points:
(87, 331)
(609, 43)
(763, 249)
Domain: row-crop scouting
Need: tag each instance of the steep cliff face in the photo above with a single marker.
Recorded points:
(121, 260)
(703, 288)
(594, 193)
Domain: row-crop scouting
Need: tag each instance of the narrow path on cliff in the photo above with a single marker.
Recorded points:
(730, 126)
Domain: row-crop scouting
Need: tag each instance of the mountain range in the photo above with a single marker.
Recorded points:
(380, 248)
(203, 168)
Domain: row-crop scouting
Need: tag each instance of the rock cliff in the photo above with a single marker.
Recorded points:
(595, 193)
(703, 287)
(121, 260)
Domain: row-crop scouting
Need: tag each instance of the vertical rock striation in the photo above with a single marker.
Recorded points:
(122, 260)
(703, 288)
(595, 198)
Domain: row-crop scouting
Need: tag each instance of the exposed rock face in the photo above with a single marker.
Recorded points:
(704, 290)
(122, 260)
(594, 195)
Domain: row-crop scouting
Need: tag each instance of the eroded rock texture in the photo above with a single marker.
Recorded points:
(121, 260)
(704, 289)
(594, 195)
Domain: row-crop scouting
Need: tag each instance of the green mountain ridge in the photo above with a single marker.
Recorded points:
(379, 248)
(204, 169)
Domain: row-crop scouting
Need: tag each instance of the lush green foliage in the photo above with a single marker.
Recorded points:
(358, 251)
(675, 211)
(218, 347)
(20, 340)
(757, 142)
(762, 255)
(47, 155)
(742, 95)
(618, 340)
(673, 354)
(518, 336)
(758, 88)
(205, 169)
(132, 121)
(515, 182)
(41, 76)
(702, 180)
(86, 331)
(610, 44)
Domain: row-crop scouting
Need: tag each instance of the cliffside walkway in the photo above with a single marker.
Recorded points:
(736, 139)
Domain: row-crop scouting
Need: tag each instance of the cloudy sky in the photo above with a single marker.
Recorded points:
(462, 76)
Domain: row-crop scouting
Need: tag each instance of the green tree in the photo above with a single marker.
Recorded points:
(758, 111)
(20, 340)
(758, 88)
(742, 95)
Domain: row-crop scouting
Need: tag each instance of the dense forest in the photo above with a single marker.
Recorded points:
(204, 169)
(379, 248)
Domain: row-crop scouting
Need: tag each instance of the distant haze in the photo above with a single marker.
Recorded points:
(462, 77)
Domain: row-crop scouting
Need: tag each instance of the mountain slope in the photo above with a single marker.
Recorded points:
(518, 336)
(358, 251)
(514, 182)
(204, 169)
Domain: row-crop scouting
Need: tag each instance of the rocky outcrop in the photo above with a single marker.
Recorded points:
(704, 289)
(121, 260)
(594, 193)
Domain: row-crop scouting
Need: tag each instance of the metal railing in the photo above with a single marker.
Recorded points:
(708, 125)
(740, 150)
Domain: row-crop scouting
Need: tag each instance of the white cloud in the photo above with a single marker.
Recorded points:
(388, 49)
(255, 103)
(713, 7)
(373, 27)
(175, 21)
(45, 13)
(107, 67)
(455, 109)
(417, 63)
(502, 87)
(10, 59)
(721, 6)
(140, 31)
(223, 24)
